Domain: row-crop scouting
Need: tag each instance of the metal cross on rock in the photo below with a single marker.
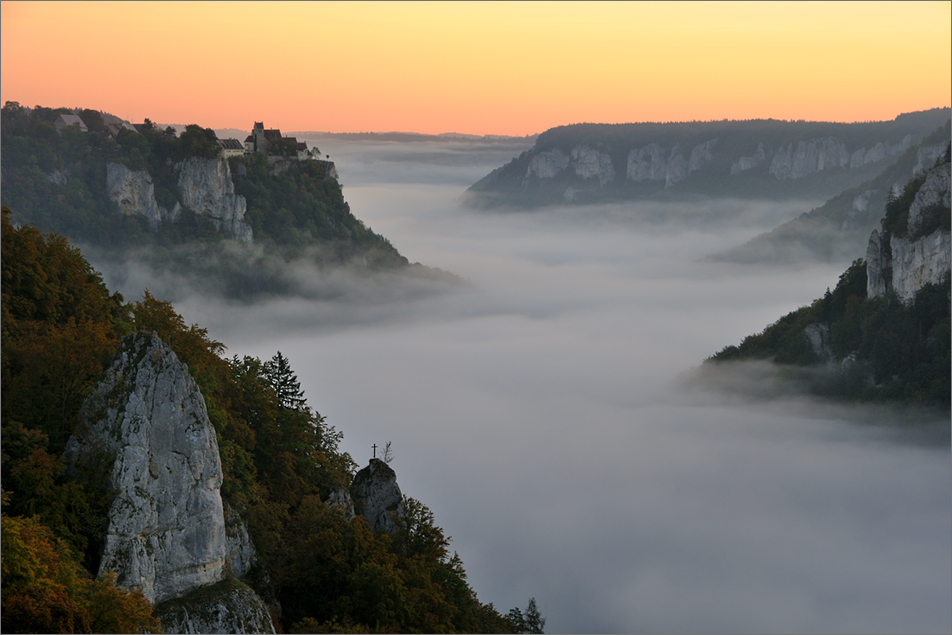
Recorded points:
(375, 450)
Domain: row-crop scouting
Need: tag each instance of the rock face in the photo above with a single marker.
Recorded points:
(701, 154)
(749, 163)
(341, 500)
(677, 167)
(166, 533)
(207, 189)
(647, 164)
(909, 262)
(377, 496)
(590, 163)
(240, 549)
(548, 164)
(815, 155)
(819, 336)
(134, 193)
(228, 607)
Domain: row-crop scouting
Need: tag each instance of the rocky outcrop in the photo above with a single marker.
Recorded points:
(548, 164)
(166, 531)
(819, 336)
(134, 194)
(377, 496)
(58, 177)
(916, 263)
(934, 193)
(814, 155)
(749, 163)
(227, 607)
(592, 163)
(677, 167)
(701, 154)
(908, 262)
(207, 189)
(926, 156)
(647, 164)
(878, 152)
(340, 499)
(241, 551)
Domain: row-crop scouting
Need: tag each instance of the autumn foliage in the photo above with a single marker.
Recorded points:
(319, 570)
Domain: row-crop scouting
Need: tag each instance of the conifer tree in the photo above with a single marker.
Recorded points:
(285, 383)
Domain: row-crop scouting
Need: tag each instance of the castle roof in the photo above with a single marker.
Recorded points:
(231, 144)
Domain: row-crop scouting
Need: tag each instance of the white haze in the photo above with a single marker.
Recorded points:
(541, 413)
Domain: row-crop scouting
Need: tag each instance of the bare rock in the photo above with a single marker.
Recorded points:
(166, 531)
(134, 194)
(207, 189)
(227, 607)
(377, 496)
(548, 164)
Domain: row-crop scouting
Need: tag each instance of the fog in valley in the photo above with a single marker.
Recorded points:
(547, 412)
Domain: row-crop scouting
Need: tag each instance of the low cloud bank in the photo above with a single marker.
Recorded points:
(551, 416)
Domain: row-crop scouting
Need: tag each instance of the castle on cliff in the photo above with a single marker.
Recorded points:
(270, 142)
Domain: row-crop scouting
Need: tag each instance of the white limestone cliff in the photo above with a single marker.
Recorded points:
(677, 167)
(701, 154)
(204, 185)
(909, 262)
(810, 157)
(548, 164)
(207, 189)
(590, 162)
(166, 533)
(647, 164)
(134, 194)
(749, 163)
(377, 496)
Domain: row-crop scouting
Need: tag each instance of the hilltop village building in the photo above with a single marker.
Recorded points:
(269, 141)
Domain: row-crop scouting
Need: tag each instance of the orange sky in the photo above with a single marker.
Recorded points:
(484, 68)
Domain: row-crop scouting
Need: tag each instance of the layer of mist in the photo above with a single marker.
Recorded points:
(550, 415)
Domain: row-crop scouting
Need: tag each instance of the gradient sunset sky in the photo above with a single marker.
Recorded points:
(484, 68)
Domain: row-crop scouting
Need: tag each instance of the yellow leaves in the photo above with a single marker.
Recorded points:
(46, 591)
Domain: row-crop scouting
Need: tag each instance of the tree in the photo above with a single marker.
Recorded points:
(529, 622)
(285, 383)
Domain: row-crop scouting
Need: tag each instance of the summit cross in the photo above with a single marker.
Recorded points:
(375, 450)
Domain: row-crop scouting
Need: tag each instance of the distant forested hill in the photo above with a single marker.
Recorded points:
(771, 159)
(174, 203)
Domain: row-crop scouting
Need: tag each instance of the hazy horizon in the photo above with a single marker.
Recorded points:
(478, 68)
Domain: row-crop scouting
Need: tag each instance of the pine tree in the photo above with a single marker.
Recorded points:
(285, 383)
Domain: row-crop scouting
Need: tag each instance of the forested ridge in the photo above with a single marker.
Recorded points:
(57, 181)
(881, 348)
(318, 571)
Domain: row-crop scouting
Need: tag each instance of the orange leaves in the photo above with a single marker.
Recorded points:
(46, 591)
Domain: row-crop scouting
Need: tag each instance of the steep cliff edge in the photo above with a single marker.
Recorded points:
(166, 534)
(909, 255)
(204, 186)
(376, 496)
(207, 189)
